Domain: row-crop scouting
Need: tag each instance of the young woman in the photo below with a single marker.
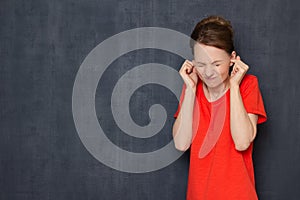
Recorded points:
(217, 116)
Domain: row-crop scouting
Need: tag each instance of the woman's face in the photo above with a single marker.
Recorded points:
(212, 64)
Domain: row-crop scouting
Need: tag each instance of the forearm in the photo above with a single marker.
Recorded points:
(183, 126)
(242, 130)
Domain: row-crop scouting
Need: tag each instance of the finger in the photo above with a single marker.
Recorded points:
(235, 69)
(189, 62)
(239, 63)
(186, 77)
(186, 71)
(236, 59)
(189, 69)
(242, 65)
(194, 73)
(185, 66)
(194, 70)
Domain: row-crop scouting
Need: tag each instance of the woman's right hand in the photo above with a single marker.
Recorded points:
(189, 75)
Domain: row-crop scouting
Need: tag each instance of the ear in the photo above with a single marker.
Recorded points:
(232, 56)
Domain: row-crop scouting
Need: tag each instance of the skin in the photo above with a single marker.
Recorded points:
(211, 65)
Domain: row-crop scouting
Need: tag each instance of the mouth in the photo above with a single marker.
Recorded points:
(210, 78)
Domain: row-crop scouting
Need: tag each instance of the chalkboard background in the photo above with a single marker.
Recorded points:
(42, 45)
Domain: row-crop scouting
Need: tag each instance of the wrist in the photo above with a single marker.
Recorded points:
(190, 91)
(234, 86)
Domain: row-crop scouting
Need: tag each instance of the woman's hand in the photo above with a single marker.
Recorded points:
(238, 72)
(189, 75)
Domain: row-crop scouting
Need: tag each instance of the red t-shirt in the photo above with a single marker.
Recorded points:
(217, 170)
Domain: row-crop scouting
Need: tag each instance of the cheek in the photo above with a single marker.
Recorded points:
(224, 70)
(199, 72)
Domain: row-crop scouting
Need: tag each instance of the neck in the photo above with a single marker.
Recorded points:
(214, 93)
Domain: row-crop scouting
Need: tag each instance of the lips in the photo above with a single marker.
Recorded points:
(210, 78)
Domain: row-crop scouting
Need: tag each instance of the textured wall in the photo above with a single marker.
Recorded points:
(42, 45)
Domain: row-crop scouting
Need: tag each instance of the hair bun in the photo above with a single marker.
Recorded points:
(214, 31)
(214, 19)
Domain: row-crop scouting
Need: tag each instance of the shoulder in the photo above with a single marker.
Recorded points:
(249, 80)
(249, 85)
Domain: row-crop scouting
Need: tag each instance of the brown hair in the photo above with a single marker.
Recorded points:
(213, 31)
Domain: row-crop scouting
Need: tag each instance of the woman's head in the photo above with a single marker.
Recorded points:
(214, 31)
(212, 46)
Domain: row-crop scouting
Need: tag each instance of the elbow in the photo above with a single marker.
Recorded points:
(242, 146)
(181, 147)
(181, 144)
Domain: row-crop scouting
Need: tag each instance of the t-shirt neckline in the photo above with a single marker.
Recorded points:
(221, 98)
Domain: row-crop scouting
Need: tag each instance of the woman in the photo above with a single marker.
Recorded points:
(219, 109)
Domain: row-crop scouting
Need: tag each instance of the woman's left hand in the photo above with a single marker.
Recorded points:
(238, 72)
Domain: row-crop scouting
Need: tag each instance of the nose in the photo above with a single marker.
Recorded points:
(208, 71)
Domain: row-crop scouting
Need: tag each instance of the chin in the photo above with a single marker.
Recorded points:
(213, 84)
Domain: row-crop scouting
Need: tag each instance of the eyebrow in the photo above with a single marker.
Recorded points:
(216, 61)
(211, 63)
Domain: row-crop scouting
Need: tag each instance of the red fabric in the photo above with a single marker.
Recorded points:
(222, 172)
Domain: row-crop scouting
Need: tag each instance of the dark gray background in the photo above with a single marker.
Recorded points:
(43, 43)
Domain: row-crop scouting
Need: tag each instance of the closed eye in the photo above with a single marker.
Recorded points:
(217, 63)
(199, 65)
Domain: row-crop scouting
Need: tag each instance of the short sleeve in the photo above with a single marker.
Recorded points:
(252, 98)
(180, 101)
